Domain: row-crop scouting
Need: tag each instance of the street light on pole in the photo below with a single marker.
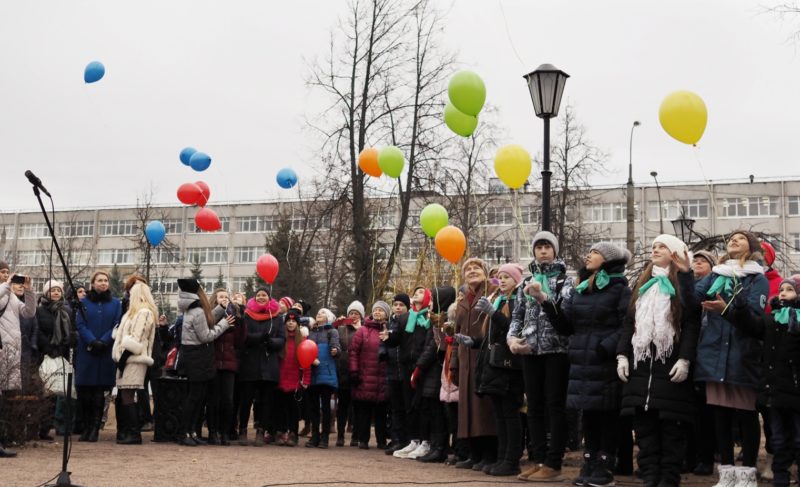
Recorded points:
(660, 212)
(546, 86)
(629, 240)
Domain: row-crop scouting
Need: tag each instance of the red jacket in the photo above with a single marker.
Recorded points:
(364, 362)
(774, 279)
(226, 345)
(291, 373)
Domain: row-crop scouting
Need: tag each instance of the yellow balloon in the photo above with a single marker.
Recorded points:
(683, 115)
(512, 164)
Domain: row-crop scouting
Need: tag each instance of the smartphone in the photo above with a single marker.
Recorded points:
(17, 279)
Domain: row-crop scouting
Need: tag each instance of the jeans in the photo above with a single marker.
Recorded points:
(546, 378)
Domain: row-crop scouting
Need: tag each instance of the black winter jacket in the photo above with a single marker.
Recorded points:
(780, 382)
(496, 381)
(593, 320)
(258, 359)
(403, 349)
(649, 385)
(430, 364)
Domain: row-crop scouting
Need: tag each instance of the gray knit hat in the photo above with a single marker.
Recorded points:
(547, 237)
(705, 254)
(611, 252)
(384, 306)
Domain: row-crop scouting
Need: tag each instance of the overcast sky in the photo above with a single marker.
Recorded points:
(227, 77)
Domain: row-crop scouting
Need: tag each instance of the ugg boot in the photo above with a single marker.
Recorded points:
(745, 477)
(766, 472)
(727, 476)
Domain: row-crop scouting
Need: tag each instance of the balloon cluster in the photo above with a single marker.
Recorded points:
(389, 160)
(449, 241)
(467, 94)
(199, 161)
(198, 193)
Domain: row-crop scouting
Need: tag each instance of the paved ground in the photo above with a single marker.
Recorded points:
(168, 465)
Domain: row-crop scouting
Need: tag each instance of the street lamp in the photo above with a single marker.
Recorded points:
(660, 213)
(630, 213)
(684, 227)
(546, 85)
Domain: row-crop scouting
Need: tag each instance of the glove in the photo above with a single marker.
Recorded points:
(519, 346)
(414, 377)
(484, 306)
(355, 379)
(534, 290)
(123, 361)
(97, 347)
(623, 368)
(465, 340)
(680, 371)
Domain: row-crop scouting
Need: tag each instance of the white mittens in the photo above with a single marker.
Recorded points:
(622, 368)
(680, 371)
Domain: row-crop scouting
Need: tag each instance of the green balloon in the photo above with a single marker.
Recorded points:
(467, 92)
(391, 161)
(460, 123)
(433, 218)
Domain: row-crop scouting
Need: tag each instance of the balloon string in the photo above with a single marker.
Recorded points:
(714, 209)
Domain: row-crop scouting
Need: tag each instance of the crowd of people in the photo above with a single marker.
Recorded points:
(683, 361)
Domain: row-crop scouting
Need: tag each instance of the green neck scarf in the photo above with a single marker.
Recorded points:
(601, 280)
(783, 315)
(663, 283)
(722, 285)
(544, 280)
(498, 303)
(417, 318)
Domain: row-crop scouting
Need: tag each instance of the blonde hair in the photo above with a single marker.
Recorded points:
(141, 298)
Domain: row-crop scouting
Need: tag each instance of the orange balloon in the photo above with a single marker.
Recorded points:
(451, 243)
(368, 162)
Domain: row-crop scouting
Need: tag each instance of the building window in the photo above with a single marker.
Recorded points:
(117, 227)
(76, 229)
(31, 257)
(8, 231)
(605, 212)
(247, 224)
(246, 255)
(794, 241)
(411, 250)
(382, 254)
(209, 285)
(530, 215)
(207, 255)
(33, 230)
(238, 284)
(748, 207)
(794, 205)
(173, 226)
(169, 286)
(498, 251)
(115, 256)
(165, 256)
(671, 210)
(383, 219)
(497, 187)
(498, 215)
(226, 226)
(79, 258)
(314, 222)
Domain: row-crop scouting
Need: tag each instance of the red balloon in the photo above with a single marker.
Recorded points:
(307, 353)
(189, 193)
(205, 193)
(267, 268)
(207, 220)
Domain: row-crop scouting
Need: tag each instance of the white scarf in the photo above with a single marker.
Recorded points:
(733, 267)
(653, 323)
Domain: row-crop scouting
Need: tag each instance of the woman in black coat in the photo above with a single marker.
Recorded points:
(660, 339)
(593, 316)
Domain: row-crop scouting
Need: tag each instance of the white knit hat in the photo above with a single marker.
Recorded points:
(329, 314)
(356, 306)
(50, 285)
(673, 243)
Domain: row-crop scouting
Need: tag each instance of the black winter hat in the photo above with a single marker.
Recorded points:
(189, 285)
(292, 314)
(403, 298)
(442, 298)
(306, 306)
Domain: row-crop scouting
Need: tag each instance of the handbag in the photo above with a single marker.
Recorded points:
(53, 373)
(172, 359)
(500, 355)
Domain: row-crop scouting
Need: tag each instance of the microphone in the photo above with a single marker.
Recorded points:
(36, 182)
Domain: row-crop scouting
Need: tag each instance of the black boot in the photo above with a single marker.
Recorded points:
(97, 407)
(436, 455)
(586, 469)
(132, 435)
(119, 413)
(85, 417)
(602, 474)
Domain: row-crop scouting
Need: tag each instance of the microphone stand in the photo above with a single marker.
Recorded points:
(63, 479)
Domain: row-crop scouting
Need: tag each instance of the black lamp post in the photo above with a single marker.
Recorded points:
(660, 213)
(684, 227)
(546, 85)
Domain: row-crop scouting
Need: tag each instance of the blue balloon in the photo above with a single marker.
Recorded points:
(287, 178)
(186, 155)
(155, 232)
(94, 72)
(200, 161)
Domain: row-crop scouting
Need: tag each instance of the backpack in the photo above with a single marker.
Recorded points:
(176, 331)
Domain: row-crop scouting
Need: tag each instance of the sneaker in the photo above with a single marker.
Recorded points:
(412, 445)
(423, 449)
(586, 469)
(545, 474)
(601, 475)
(745, 477)
(727, 476)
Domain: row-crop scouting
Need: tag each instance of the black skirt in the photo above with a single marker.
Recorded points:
(196, 362)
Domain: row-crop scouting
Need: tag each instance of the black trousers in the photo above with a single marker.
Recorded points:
(546, 378)
(260, 391)
(662, 447)
(483, 449)
(220, 405)
(320, 400)
(344, 408)
(724, 419)
(405, 417)
(92, 402)
(509, 428)
(193, 402)
(367, 413)
(785, 439)
(287, 411)
(433, 423)
(600, 431)
(143, 399)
